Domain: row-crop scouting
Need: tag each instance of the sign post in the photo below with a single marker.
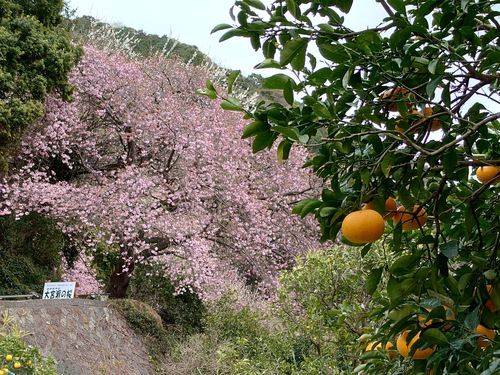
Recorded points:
(59, 290)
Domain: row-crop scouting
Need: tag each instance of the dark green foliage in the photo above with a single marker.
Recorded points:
(35, 59)
(182, 312)
(31, 251)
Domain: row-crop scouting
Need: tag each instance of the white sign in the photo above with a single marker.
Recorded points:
(62, 290)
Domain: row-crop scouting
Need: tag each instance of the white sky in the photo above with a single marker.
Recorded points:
(190, 21)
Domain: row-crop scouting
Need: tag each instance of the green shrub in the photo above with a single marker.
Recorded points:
(313, 327)
(18, 357)
(30, 249)
(182, 313)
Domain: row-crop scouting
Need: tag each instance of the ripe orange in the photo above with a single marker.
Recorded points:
(391, 96)
(404, 348)
(435, 124)
(8, 357)
(378, 346)
(17, 365)
(390, 206)
(485, 331)
(411, 121)
(450, 315)
(490, 304)
(363, 226)
(410, 222)
(486, 173)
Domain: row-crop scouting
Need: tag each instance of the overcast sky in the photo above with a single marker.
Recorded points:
(190, 21)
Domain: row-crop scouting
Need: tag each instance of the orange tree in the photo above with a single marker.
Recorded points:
(407, 109)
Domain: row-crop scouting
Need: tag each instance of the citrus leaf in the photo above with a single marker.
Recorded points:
(231, 79)
(268, 63)
(234, 32)
(288, 92)
(434, 336)
(260, 142)
(255, 128)
(256, 4)
(231, 104)
(277, 81)
(221, 26)
(292, 49)
(449, 249)
(288, 132)
(386, 164)
(283, 151)
(373, 280)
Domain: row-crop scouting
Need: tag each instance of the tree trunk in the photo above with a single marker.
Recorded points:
(120, 280)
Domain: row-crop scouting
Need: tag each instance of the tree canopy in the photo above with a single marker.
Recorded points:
(36, 57)
(407, 109)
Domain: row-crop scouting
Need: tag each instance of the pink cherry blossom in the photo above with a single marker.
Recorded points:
(155, 173)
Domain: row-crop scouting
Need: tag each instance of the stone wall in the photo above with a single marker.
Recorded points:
(84, 336)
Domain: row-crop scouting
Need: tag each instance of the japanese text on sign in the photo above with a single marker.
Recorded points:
(62, 290)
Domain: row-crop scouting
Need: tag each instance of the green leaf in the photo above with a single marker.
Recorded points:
(445, 96)
(398, 6)
(255, 128)
(299, 206)
(231, 104)
(344, 5)
(450, 162)
(334, 52)
(209, 94)
(288, 132)
(292, 49)
(309, 207)
(434, 336)
(231, 79)
(221, 26)
(473, 319)
(404, 264)
(234, 32)
(321, 110)
(260, 142)
(386, 164)
(449, 249)
(393, 288)
(283, 150)
(276, 82)
(293, 8)
(327, 211)
(210, 86)
(256, 4)
(431, 86)
(288, 92)
(406, 198)
(432, 66)
(268, 63)
(373, 280)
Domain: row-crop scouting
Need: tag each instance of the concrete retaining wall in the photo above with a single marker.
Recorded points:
(84, 336)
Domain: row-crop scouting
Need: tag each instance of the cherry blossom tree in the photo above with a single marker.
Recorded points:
(141, 166)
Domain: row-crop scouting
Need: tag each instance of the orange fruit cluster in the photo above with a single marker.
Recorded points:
(378, 346)
(367, 225)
